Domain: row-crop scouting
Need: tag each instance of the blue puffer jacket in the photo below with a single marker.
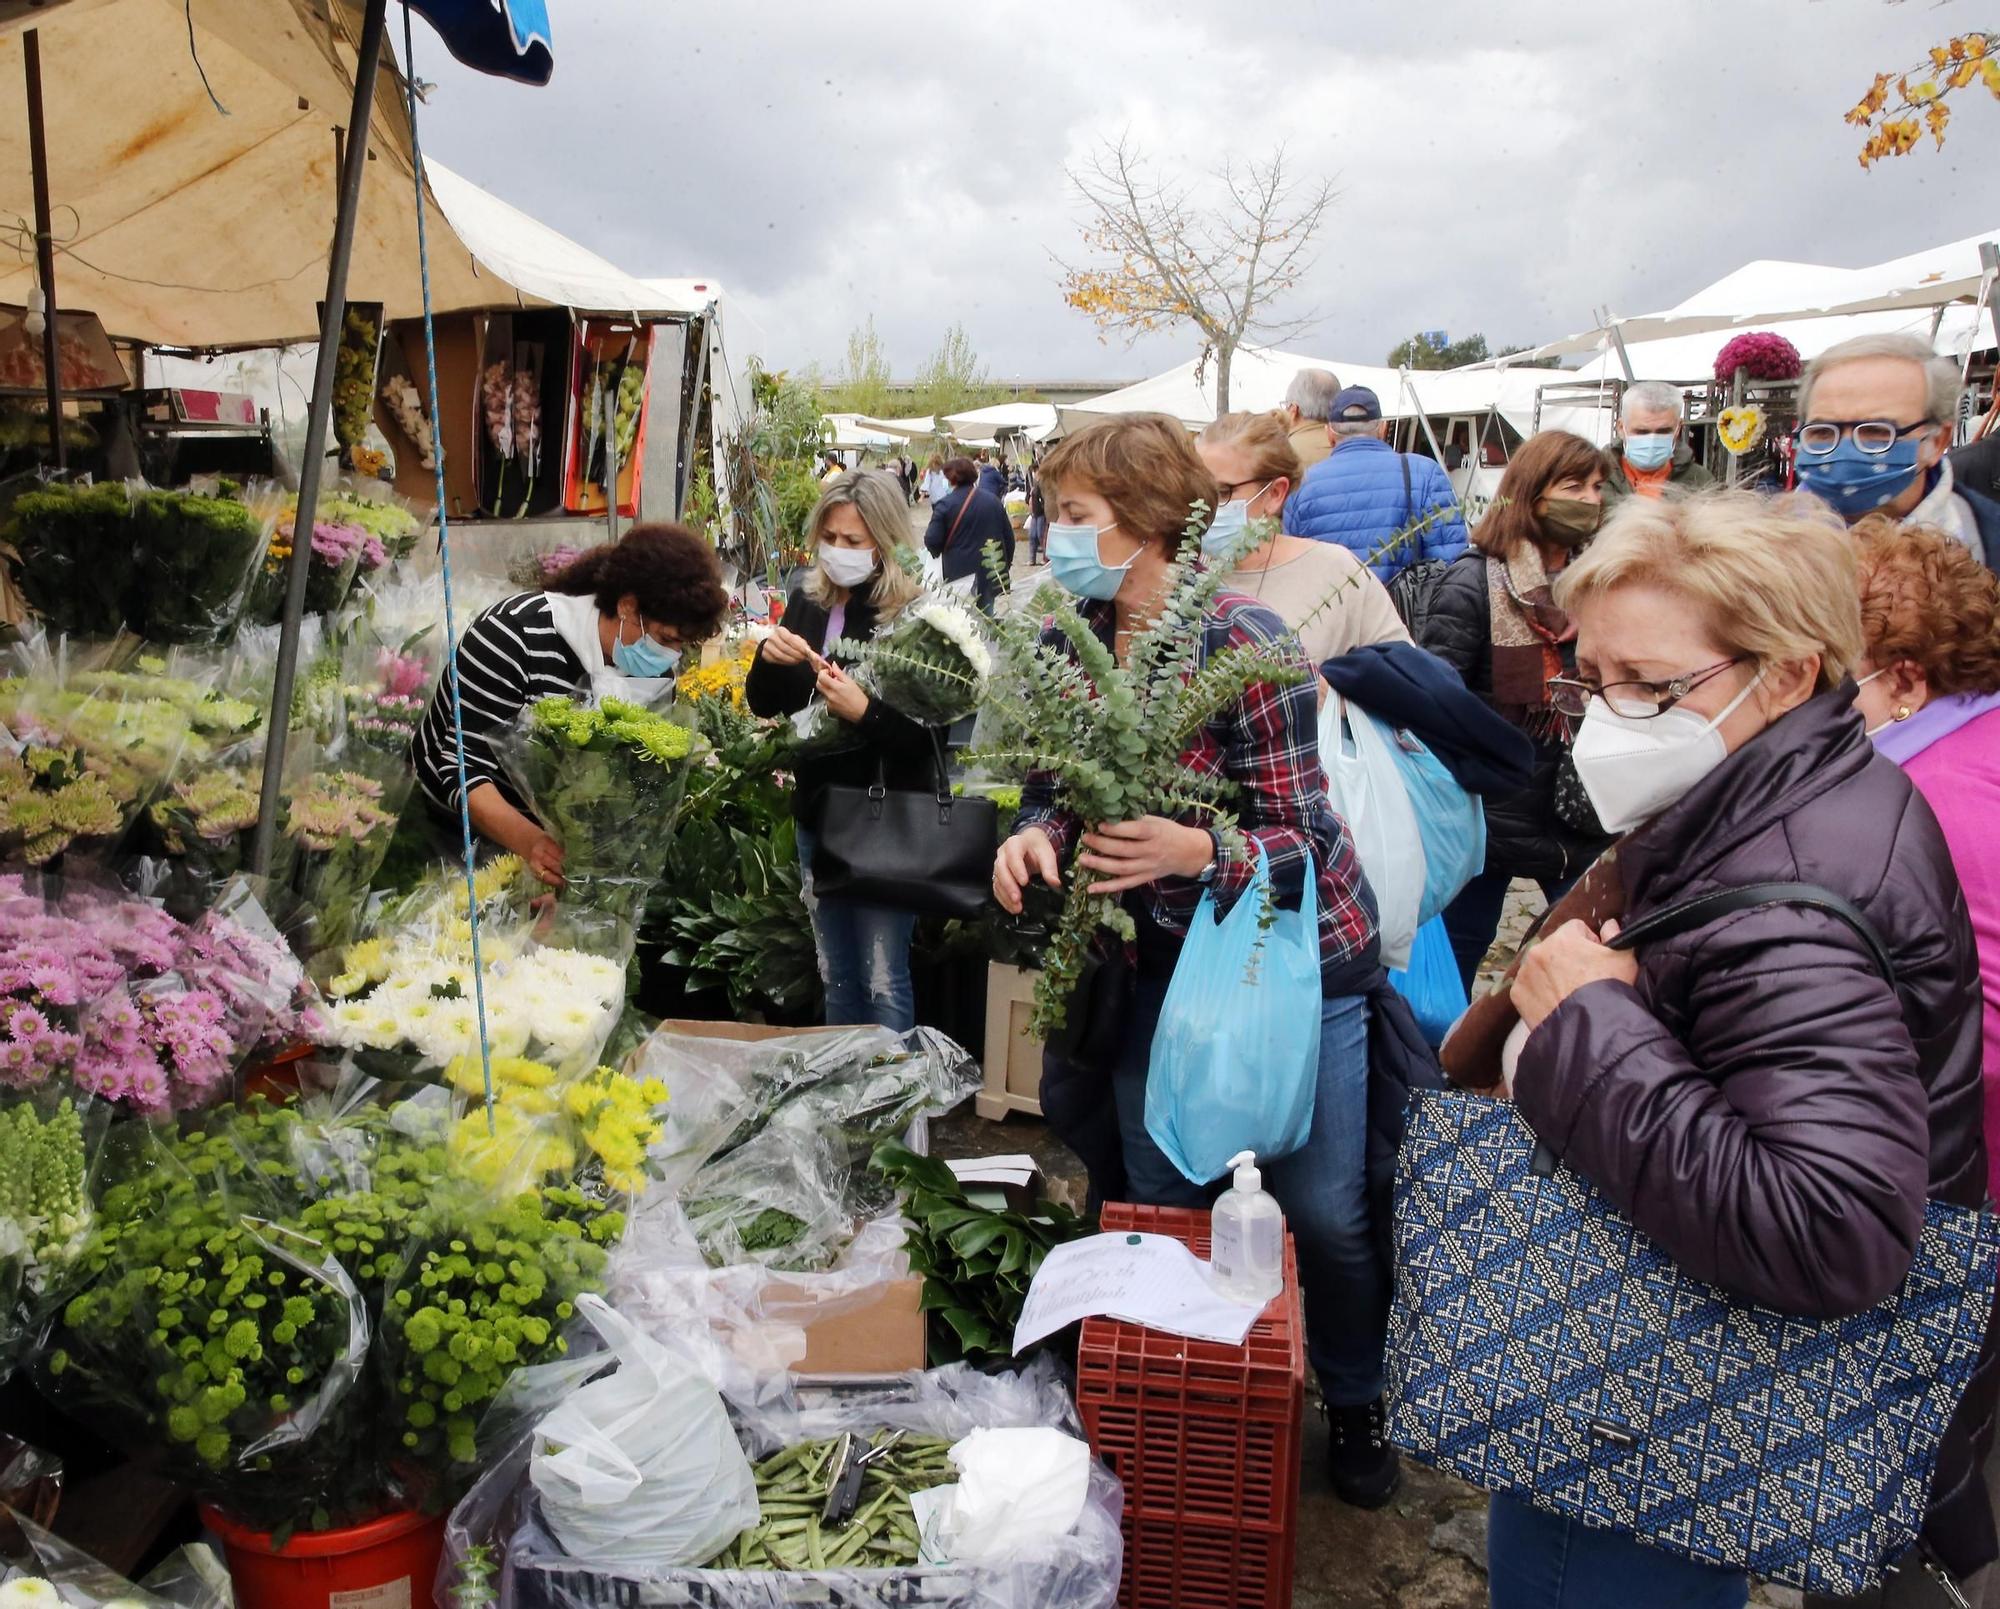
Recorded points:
(1355, 498)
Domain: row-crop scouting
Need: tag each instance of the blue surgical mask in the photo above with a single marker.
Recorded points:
(1230, 522)
(1853, 483)
(1077, 568)
(1648, 452)
(644, 657)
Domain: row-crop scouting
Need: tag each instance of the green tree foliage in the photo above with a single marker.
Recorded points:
(1420, 352)
(864, 377)
(952, 379)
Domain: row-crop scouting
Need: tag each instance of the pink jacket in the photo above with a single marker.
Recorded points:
(1959, 776)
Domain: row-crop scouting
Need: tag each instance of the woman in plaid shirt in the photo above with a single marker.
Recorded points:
(1121, 493)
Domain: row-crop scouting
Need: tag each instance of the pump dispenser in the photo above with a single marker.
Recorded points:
(1247, 1237)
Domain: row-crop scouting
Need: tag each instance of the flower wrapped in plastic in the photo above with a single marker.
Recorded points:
(607, 781)
(340, 821)
(196, 559)
(215, 1321)
(74, 548)
(930, 663)
(90, 747)
(48, 1149)
(406, 1003)
(599, 1125)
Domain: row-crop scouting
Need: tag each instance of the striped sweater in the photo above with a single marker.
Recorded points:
(508, 658)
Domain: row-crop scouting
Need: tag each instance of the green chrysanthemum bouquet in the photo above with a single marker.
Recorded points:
(607, 781)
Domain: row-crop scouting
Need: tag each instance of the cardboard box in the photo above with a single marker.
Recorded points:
(1013, 1061)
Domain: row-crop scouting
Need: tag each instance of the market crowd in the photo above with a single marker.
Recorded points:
(1728, 688)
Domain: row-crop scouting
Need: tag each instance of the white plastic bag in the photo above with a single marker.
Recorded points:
(641, 1466)
(1018, 1490)
(1366, 786)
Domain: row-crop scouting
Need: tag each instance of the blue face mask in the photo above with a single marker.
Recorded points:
(1852, 482)
(1648, 452)
(1074, 562)
(644, 657)
(1230, 522)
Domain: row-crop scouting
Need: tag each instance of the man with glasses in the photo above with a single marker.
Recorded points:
(1876, 419)
(1650, 457)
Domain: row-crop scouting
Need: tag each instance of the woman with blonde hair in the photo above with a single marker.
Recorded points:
(1752, 1092)
(861, 580)
(1321, 590)
(1930, 693)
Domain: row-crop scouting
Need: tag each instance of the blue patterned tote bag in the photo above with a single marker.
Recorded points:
(1541, 1346)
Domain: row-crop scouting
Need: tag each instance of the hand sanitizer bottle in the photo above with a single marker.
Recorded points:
(1247, 1237)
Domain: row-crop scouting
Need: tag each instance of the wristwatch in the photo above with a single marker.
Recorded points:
(1207, 874)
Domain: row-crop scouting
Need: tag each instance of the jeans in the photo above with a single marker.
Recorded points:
(1471, 920)
(864, 955)
(1322, 1188)
(1536, 1561)
(1038, 531)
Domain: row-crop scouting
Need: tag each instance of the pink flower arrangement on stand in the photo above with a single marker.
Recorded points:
(1761, 355)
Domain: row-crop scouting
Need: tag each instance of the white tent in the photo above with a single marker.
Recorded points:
(539, 263)
(1766, 292)
(1035, 420)
(850, 430)
(903, 429)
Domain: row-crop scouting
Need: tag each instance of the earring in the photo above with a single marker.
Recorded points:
(1902, 712)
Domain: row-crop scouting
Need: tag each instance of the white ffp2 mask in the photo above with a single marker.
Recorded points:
(846, 567)
(1633, 767)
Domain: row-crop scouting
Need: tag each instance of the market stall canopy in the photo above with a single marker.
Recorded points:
(1259, 377)
(1766, 292)
(508, 38)
(921, 425)
(182, 226)
(1692, 357)
(544, 265)
(849, 430)
(1035, 420)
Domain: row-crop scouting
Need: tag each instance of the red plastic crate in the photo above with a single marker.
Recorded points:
(1205, 1439)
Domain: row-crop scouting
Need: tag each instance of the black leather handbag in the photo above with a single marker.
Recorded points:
(909, 849)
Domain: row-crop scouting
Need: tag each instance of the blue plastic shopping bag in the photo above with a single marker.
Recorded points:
(1236, 1053)
(1450, 822)
(1431, 984)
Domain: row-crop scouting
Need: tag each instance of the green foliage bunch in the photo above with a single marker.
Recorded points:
(728, 907)
(1111, 735)
(976, 1263)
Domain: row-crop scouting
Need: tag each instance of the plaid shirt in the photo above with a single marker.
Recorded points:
(1267, 743)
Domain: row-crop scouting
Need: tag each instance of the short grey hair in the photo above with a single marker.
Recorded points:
(1651, 396)
(1941, 387)
(1353, 429)
(1312, 392)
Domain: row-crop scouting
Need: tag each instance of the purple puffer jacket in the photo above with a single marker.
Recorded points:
(1761, 1103)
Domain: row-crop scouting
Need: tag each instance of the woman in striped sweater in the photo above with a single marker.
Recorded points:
(627, 608)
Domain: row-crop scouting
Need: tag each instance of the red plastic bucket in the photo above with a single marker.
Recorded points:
(390, 1563)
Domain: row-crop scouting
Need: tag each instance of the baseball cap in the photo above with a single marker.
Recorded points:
(1357, 402)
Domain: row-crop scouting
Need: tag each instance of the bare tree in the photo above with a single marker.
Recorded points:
(1173, 260)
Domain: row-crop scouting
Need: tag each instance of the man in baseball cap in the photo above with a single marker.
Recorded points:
(1366, 494)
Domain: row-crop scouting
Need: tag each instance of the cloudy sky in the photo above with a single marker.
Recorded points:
(1502, 168)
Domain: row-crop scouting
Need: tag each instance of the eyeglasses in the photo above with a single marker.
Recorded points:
(1873, 436)
(1639, 701)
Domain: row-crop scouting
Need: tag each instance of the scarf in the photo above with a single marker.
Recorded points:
(1903, 741)
(1527, 630)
